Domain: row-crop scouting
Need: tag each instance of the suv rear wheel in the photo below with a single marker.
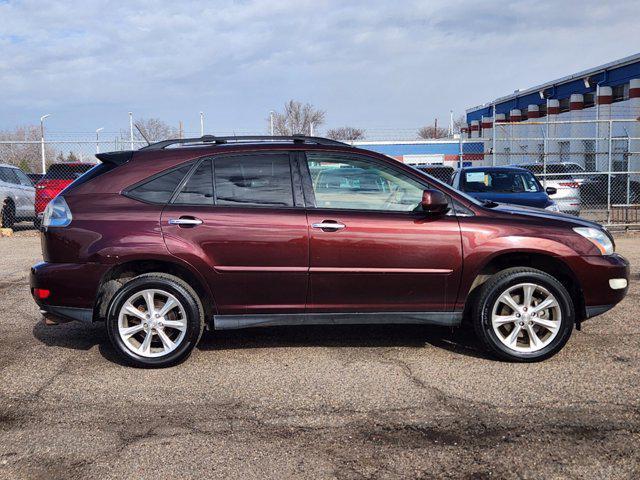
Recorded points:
(523, 315)
(8, 214)
(155, 320)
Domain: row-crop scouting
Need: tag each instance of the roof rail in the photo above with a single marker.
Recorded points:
(207, 139)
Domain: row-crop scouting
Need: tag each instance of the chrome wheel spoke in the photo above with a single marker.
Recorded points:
(145, 346)
(177, 324)
(148, 299)
(166, 341)
(129, 331)
(167, 307)
(534, 341)
(504, 319)
(528, 290)
(512, 339)
(507, 299)
(549, 302)
(548, 324)
(131, 310)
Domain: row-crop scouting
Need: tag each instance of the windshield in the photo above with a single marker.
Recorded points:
(504, 181)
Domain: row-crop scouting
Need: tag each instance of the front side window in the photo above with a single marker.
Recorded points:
(198, 189)
(350, 183)
(161, 188)
(253, 180)
(24, 180)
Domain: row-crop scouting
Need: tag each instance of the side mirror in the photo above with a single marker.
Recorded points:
(551, 190)
(435, 202)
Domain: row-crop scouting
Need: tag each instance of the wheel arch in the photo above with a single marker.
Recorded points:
(119, 274)
(550, 264)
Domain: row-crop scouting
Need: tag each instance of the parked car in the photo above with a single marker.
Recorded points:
(439, 172)
(17, 195)
(235, 232)
(561, 177)
(57, 178)
(35, 177)
(512, 185)
(598, 190)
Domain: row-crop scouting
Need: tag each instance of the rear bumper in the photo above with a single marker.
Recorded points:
(73, 288)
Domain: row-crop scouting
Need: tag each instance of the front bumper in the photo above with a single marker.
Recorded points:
(595, 274)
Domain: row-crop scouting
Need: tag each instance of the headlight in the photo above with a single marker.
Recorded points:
(57, 213)
(597, 237)
(553, 207)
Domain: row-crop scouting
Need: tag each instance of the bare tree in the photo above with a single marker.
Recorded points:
(346, 133)
(459, 122)
(297, 118)
(431, 131)
(154, 129)
(24, 151)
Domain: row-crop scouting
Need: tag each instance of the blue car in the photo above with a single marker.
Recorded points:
(504, 185)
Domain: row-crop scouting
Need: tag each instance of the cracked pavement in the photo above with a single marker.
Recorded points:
(349, 402)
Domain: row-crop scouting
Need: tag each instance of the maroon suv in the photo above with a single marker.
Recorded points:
(243, 232)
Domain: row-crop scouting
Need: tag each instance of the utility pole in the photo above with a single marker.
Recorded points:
(180, 129)
(44, 163)
(98, 139)
(131, 129)
(451, 123)
(202, 124)
(311, 129)
(271, 114)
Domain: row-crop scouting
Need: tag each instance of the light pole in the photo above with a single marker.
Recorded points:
(311, 129)
(98, 139)
(202, 124)
(271, 114)
(44, 164)
(131, 129)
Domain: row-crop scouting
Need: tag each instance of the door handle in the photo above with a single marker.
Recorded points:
(185, 221)
(329, 225)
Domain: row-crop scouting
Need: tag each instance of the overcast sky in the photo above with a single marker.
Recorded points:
(372, 64)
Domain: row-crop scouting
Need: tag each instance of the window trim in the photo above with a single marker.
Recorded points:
(311, 201)
(187, 177)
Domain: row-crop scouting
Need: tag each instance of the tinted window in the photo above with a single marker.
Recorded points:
(67, 171)
(24, 180)
(350, 183)
(198, 190)
(253, 180)
(161, 188)
(500, 181)
(9, 175)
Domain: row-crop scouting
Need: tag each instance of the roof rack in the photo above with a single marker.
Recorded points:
(212, 139)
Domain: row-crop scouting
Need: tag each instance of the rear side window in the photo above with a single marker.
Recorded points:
(259, 180)
(9, 175)
(160, 188)
(198, 190)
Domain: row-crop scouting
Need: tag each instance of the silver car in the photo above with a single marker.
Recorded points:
(17, 194)
(559, 176)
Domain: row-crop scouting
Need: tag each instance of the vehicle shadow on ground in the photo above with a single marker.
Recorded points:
(78, 336)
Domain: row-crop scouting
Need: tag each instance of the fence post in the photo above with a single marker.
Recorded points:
(609, 172)
(460, 150)
(494, 133)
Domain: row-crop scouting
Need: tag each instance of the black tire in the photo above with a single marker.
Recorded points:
(179, 289)
(494, 287)
(37, 223)
(8, 214)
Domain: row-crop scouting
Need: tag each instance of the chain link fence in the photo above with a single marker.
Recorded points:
(594, 165)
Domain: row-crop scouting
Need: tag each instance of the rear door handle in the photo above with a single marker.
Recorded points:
(185, 221)
(329, 225)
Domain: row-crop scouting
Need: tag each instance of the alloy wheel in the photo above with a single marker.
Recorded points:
(526, 317)
(152, 323)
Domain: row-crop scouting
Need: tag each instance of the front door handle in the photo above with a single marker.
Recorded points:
(185, 221)
(330, 225)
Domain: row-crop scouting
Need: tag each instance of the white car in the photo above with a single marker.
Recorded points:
(17, 194)
(560, 176)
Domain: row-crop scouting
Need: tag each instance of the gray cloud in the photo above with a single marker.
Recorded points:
(368, 63)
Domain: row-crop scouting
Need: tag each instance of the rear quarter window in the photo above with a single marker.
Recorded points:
(160, 188)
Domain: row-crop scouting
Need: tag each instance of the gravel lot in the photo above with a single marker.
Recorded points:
(315, 402)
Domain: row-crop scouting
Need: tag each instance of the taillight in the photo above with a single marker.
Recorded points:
(569, 184)
(57, 213)
(41, 293)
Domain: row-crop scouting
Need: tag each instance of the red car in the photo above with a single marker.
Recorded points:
(57, 178)
(236, 232)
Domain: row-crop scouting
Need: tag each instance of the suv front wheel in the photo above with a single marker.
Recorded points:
(523, 315)
(155, 320)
